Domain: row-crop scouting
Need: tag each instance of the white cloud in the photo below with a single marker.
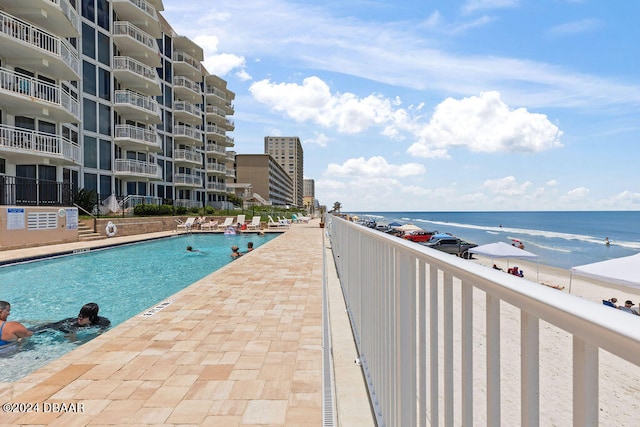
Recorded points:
(576, 27)
(473, 5)
(485, 124)
(319, 138)
(507, 186)
(374, 167)
(552, 183)
(577, 194)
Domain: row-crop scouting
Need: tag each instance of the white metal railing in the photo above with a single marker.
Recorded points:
(187, 155)
(185, 82)
(146, 136)
(131, 201)
(187, 203)
(217, 186)
(38, 143)
(40, 39)
(128, 97)
(33, 88)
(213, 148)
(212, 109)
(432, 331)
(187, 59)
(212, 90)
(145, 7)
(187, 107)
(124, 28)
(69, 12)
(138, 167)
(187, 179)
(229, 140)
(188, 131)
(216, 167)
(129, 64)
(215, 129)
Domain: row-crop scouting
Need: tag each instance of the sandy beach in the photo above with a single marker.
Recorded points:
(620, 381)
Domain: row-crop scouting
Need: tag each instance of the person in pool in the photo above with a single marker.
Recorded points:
(88, 316)
(10, 331)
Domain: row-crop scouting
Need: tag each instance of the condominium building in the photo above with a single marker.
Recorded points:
(309, 194)
(287, 151)
(268, 179)
(105, 96)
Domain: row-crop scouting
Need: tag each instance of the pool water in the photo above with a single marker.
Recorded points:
(124, 281)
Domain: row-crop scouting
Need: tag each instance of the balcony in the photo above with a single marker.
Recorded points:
(28, 96)
(187, 90)
(218, 135)
(133, 138)
(187, 156)
(33, 48)
(217, 187)
(130, 170)
(141, 13)
(216, 169)
(217, 150)
(135, 75)
(187, 180)
(218, 98)
(230, 173)
(134, 106)
(187, 66)
(187, 135)
(30, 146)
(134, 42)
(186, 112)
(56, 16)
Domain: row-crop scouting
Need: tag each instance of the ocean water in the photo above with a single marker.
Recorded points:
(560, 239)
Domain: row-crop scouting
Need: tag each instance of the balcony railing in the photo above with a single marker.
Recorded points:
(187, 179)
(430, 330)
(69, 12)
(213, 148)
(17, 191)
(216, 130)
(185, 82)
(128, 97)
(42, 40)
(217, 186)
(128, 29)
(187, 107)
(126, 63)
(138, 168)
(141, 135)
(216, 167)
(183, 57)
(187, 155)
(187, 131)
(39, 143)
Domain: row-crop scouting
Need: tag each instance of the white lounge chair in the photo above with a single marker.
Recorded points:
(255, 223)
(240, 221)
(228, 222)
(276, 224)
(209, 225)
(187, 225)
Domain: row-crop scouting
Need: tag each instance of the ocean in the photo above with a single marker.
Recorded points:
(560, 239)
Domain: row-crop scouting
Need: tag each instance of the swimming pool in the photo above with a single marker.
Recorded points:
(124, 281)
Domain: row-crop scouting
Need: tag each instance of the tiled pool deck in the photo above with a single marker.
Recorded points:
(241, 347)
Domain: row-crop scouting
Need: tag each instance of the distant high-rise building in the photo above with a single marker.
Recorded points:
(309, 194)
(287, 151)
(267, 178)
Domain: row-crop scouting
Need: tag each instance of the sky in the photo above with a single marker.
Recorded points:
(440, 105)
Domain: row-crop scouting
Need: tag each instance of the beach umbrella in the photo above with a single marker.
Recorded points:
(394, 224)
(408, 227)
(502, 250)
(623, 271)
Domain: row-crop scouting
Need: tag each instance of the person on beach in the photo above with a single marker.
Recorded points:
(10, 331)
(495, 267)
(628, 304)
(607, 242)
(612, 302)
(235, 252)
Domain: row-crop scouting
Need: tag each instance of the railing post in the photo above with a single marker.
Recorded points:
(585, 383)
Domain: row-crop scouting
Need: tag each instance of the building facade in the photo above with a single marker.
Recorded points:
(268, 179)
(287, 151)
(105, 96)
(309, 195)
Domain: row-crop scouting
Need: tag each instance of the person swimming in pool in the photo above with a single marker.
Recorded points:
(10, 331)
(88, 316)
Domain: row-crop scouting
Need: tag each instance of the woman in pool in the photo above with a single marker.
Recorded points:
(10, 331)
(88, 316)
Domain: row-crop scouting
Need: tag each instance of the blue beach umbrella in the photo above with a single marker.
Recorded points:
(395, 224)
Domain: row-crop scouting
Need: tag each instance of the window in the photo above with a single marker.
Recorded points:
(104, 54)
(105, 156)
(88, 40)
(103, 14)
(90, 182)
(89, 115)
(90, 153)
(88, 10)
(47, 127)
(89, 77)
(104, 81)
(105, 185)
(3, 166)
(104, 119)
(167, 71)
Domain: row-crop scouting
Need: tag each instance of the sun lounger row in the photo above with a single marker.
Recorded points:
(192, 222)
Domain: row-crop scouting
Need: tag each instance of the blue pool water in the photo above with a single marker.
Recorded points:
(124, 281)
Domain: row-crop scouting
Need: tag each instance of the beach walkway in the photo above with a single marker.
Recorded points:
(241, 347)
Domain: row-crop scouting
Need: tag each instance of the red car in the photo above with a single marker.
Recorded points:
(418, 235)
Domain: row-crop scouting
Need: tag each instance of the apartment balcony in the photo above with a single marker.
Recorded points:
(186, 112)
(191, 157)
(133, 170)
(187, 135)
(230, 173)
(134, 106)
(133, 138)
(141, 13)
(217, 187)
(216, 150)
(28, 96)
(218, 135)
(33, 48)
(187, 180)
(187, 90)
(219, 99)
(216, 169)
(56, 16)
(137, 76)
(134, 42)
(30, 146)
(186, 66)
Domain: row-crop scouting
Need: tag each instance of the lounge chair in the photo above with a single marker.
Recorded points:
(187, 225)
(227, 223)
(255, 223)
(276, 224)
(209, 225)
(240, 221)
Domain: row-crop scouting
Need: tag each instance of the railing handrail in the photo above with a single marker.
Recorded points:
(392, 290)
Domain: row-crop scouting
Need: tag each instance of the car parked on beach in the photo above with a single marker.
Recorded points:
(451, 245)
(418, 235)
